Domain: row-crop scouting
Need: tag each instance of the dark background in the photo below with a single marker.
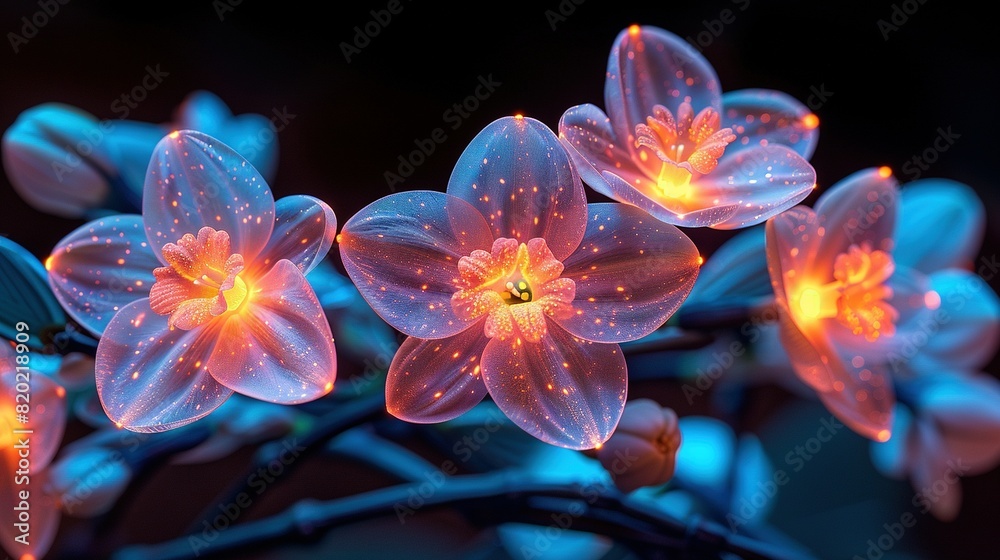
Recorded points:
(883, 102)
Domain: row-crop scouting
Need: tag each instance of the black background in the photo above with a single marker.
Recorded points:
(885, 101)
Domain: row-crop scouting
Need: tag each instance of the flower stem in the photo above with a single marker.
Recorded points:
(498, 497)
(350, 414)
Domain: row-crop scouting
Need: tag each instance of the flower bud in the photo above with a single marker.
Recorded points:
(90, 481)
(643, 449)
(54, 160)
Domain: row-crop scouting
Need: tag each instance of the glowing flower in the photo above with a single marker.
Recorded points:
(858, 294)
(950, 427)
(37, 512)
(675, 146)
(510, 283)
(203, 294)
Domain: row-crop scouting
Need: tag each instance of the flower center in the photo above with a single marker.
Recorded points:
(684, 146)
(515, 286)
(516, 292)
(858, 296)
(201, 282)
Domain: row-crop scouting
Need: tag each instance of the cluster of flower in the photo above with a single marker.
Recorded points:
(510, 283)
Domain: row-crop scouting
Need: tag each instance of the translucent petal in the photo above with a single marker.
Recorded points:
(520, 178)
(764, 116)
(963, 333)
(737, 269)
(278, 347)
(631, 273)
(251, 135)
(931, 467)
(152, 378)
(639, 191)
(586, 132)
(359, 332)
(857, 210)
(807, 353)
(938, 205)
(865, 402)
(402, 253)
(25, 296)
(791, 241)
(965, 411)
(196, 181)
(46, 415)
(436, 380)
(304, 230)
(761, 182)
(649, 66)
(891, 458)
(562, 390)
(100, 268)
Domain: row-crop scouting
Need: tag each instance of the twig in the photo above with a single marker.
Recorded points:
(501, 496)
(349, 415)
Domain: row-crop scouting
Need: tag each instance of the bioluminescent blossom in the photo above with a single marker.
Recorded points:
(948, 428)
(859, 295)
(64, 161)
(643, 449)
(672, 144)
(203, 294)
(510, 283)
(32, 420)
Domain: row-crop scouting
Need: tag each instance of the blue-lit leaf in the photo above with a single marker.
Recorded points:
(25, 296)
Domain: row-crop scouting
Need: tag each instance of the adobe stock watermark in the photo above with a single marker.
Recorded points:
(31, 25)
(895, 529)
(919, 163)
(713, 28)
(259, 481)
(562, 11)
(364, 33)
(796, 459)
(224, 7)
(454, 117)
(898, 17)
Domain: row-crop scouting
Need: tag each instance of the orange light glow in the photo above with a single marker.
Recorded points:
(633, 30)
(174, 134)
(858, 297)
(883, 436)
(48, 262)
(885, 172)
(810, 121)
